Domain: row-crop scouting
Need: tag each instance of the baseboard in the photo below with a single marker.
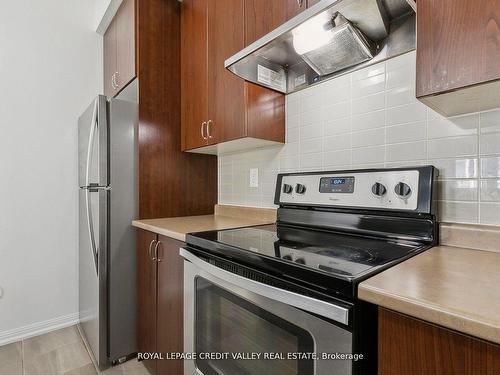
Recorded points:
(36, 329)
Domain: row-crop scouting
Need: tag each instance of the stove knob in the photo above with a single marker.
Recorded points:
(402, 190)
(300, 261)
(287, 257)
(287, 189)
(378, 189)
(300, 189)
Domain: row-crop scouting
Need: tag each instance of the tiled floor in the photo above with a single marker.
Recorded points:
(57, 353)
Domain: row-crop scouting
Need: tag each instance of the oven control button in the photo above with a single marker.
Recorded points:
(300, 189)
(402, 190)
(287, 189)
(300, 261)
(378, 189)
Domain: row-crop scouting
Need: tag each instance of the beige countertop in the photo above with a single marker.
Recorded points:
(225, 217)
(450, 286)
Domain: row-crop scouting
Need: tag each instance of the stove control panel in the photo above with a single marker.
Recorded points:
(385, 189)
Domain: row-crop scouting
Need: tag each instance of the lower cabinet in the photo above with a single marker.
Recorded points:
(412, 347)
(160, 300)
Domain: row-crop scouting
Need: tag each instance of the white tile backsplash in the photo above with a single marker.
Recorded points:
(403, 114)
(452, 147)
(414, 131)
(490, 166)
(490, 143)
(371, 119)
(489, 213)
(372, 137)
(490, 191)
(406, 151)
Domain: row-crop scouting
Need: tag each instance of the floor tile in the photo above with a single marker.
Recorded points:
(59, 361)
(11, 353)
(44, 364)
(60, 352)
(72, 356)
(132, 367)
(85, 370)
(50, 341)
(11, 368)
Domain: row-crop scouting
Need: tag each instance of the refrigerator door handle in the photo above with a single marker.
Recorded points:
(90, 147)
(90, 224)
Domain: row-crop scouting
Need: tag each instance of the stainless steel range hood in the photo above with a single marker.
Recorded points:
(331, 38)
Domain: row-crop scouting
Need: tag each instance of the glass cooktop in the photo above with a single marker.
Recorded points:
(339, 255)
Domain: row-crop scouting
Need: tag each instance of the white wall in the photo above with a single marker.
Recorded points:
(99, 10)
(370, 118)
(50, 70)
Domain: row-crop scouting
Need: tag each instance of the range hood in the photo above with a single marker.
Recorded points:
(331, 38)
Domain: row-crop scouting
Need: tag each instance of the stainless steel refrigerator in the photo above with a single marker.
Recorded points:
(107, 205)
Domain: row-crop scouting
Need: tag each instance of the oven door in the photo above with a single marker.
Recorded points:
(228, 313)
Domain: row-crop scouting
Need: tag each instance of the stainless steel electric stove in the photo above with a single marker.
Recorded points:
(291, 287)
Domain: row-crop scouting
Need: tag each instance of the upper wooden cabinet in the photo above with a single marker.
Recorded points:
(271, 14)
(226, 91)
(263, 16)
(292, 7)
(458, 54)
(220, 111)
(119, 49)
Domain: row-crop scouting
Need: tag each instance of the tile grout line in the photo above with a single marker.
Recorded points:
(22, 358)
(479, 174)
(385, 115)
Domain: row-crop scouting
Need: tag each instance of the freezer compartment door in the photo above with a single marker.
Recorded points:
(93, 145)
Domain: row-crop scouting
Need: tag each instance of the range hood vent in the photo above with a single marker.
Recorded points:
(331, 38)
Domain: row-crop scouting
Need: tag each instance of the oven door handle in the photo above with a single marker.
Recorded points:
(325, 309)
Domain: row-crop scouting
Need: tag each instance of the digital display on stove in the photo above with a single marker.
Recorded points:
(336, 185)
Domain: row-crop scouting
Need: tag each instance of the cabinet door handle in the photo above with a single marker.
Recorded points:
(157, 258)
(203, 125)
(113, 84)
(209, 123)
(300, 3)
(150, 249)
(117, 80)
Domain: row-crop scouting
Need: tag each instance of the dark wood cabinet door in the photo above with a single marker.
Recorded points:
(109, 55)
(458, 44)
(310, 3)
(262, 17)
(146, 295)
(413, 347)
(170, 304)
(125, 43)
(194, 73)
(265, 110)
(294, 7)
(226, 95)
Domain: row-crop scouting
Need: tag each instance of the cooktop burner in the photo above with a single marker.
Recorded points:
(341, 255)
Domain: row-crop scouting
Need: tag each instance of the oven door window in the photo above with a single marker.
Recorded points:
(226, 323)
